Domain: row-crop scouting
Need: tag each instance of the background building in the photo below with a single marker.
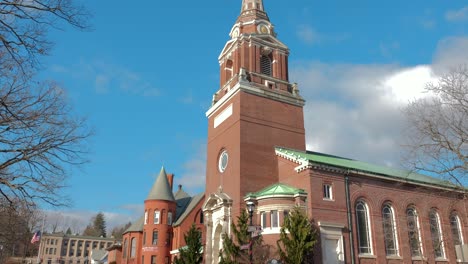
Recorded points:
(67, 249)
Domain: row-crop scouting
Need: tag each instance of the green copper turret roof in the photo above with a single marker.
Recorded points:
(277, 189)
(161, 189)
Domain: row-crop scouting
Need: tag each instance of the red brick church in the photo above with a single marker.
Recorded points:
(256, 153)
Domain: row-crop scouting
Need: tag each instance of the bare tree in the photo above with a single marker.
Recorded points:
(40, 139)
(24, 25)
(17, 224)
(438, 128)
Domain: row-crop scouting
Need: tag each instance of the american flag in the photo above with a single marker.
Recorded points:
(36, 237)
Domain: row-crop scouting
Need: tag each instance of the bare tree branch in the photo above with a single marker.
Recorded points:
(40, 139)
(438, 128)
(24, 25)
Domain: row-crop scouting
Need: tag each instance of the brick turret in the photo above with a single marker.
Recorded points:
(160, 210)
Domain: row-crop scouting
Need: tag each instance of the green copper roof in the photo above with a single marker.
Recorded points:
(161, 189)
(277, 189)
(307, 157)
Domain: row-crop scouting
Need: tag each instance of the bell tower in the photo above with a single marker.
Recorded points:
(255, 109)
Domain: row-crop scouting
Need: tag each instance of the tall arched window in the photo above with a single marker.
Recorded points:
(265, 64)
(455, 226)
(436, 234)
(413, 232)
(363, 228)
(389, 228)
(125, 249)
(146, 217)
(133, 248)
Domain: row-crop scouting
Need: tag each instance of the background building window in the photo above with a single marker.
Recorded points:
(389, 228)
(436, 234)
(144, 237)
(327, 192)
(146, 217)
(156, 217)
(274, 219)
(363, 230)
(455, 226)
(133, 248)
(155, 237)
(153, 259)
(413, 232)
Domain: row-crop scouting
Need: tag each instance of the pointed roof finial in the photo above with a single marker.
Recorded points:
(161, 189)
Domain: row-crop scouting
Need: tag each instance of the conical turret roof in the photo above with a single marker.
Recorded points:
(161, 189)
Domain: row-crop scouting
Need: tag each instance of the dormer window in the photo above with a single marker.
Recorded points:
(265, 64)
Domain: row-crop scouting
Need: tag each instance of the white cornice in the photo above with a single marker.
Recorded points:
(248, 88)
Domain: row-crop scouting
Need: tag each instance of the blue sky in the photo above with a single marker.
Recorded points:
(145, 74)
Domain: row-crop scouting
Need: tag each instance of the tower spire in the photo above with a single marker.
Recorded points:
(252, 9)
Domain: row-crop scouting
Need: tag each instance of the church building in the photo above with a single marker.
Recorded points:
(256, 153)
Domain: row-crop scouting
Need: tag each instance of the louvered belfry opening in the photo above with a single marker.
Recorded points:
(265, 64)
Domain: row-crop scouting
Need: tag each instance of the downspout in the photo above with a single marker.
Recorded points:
(350, 222)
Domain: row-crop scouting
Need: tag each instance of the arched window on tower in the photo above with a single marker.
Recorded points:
(156, 216)
(265, 65)
(436, 234)
(229, 69)
(155, 237)
(363, 228)
(389, 228)
(169, 218)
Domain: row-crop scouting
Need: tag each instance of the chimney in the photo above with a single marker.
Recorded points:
(180, 187)
(170, 179)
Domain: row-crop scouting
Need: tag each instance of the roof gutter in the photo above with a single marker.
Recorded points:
(350, 223)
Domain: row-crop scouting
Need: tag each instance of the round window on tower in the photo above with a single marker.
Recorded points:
(223, 161)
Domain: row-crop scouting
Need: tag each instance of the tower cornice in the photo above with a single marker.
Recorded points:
(247, 87)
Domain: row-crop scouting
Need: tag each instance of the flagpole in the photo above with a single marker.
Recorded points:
(40, 240)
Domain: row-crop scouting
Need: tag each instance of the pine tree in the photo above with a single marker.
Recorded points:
(68, 232)
(192, 253)
(297, 238)
(232, 252)
(97, 227)
(100, 224)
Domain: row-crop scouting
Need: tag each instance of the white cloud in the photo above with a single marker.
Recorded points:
(108, 78)
(355, 110)
(309, 35)
(457, 15)
(193, 176)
